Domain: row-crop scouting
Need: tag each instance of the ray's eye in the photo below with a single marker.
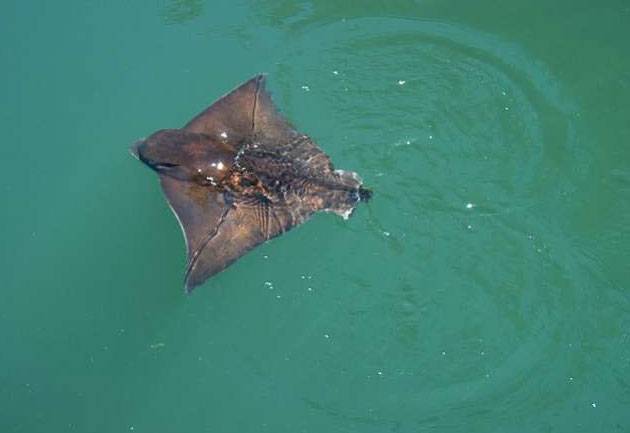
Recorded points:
(164, 165)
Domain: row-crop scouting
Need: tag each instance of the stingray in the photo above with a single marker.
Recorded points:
(238, 174)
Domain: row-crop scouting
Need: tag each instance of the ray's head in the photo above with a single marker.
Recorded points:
(186, 156)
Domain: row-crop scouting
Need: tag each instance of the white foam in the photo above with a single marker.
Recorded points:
(352, 174)
(345, 215)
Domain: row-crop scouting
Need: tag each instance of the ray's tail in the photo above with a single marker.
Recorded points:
(365, 194)
(343, 197)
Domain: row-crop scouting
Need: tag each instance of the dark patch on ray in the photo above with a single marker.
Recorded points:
(239, 174)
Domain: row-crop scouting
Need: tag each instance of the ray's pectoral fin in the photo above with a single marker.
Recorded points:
(274, 132)
(248, 113)
(198, 209)
(232, 116)
(219, 228)
(206, 219)
(244, 225)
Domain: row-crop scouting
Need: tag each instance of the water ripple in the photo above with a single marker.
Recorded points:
(466, 140)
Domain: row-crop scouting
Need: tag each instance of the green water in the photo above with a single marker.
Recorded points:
(483, 289)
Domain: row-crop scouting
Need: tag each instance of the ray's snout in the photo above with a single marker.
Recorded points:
(134, 149)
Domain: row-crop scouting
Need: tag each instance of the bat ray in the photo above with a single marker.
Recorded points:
(239, 174)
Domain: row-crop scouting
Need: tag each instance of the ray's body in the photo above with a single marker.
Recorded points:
(238, 174)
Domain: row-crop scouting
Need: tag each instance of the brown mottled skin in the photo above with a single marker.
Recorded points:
(238, 174)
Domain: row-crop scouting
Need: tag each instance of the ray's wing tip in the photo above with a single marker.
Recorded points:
(196, 277)
(190, 285)
(260, 79)
(190, 282)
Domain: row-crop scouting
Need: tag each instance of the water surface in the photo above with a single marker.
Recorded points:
(484, 288)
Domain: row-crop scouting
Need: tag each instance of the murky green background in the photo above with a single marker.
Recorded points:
(484, 289)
